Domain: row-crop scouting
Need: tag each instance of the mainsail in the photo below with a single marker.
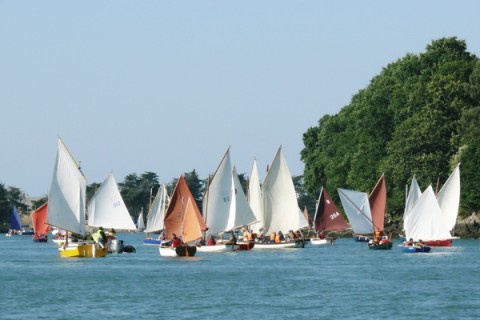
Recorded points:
(66, 198)
(15, 222)
(157, 210)
(217, 201)
(280, 198)
(107, 209)
(327, 216)
(39, 218)
(378, 204)
(449, 199)
(413, 194)
(255, 199)
(424, 221)
(242, 214)
(357, 209)
(174, 216)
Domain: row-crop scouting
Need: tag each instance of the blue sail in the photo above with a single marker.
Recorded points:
(15, 223)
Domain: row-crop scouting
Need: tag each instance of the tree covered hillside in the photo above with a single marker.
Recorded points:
(420, 116)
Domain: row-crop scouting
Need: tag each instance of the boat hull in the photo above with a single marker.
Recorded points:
(281, 245)
(83, 251)
(152, 242)
(318, 241)
(360, 238)
(180, 251)
(414, 249)
(382, 246)
(439, 243)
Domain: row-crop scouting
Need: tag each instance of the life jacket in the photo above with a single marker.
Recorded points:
(278, 239)
(176, 242)
(273, 236)
(251, 237)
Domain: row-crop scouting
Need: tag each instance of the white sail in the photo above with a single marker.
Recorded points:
(107, 209)
(157, 210)
(255, 199)
(217, 202)
(140, 223)
(66, 197)
(280, 198)
(413, 194)
(423, 221)
(242, 214)
(357, 209)
(449, 199)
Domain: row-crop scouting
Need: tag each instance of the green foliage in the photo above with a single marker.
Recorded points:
(408, 121)
(137, 191)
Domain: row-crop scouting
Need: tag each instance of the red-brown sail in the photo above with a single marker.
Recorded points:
(39, 217)
(378, 204)
(175, 214)
(327, 217)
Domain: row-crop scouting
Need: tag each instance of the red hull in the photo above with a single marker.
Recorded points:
(439, 243)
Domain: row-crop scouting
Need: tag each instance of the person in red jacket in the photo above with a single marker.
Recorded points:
(176, 241)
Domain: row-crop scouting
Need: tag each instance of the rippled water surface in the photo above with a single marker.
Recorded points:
(343, 281)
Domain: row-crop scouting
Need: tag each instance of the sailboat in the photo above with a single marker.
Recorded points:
(15, 223)
(225, 207)
(108, 210)
(366, 214)
(327, 218)
(433, 218)
(155, 216)
(40, 227)
(66, 206)
(280, 205)
(182, 218)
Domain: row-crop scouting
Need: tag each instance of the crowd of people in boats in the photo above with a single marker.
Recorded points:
(244, 235)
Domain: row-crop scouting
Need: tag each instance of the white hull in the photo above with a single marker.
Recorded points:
(318, 242)
(215, 248)
(281, 245)
(167, 252)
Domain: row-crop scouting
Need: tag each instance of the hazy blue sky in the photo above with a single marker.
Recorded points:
(167, 86)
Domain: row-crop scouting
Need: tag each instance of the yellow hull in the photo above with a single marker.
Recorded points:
(84, 251)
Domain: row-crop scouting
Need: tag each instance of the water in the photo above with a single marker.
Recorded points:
(343, 281)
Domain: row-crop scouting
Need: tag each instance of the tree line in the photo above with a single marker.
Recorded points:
(419, 117)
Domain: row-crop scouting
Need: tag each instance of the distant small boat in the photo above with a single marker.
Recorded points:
(155, 216)
(414, 249)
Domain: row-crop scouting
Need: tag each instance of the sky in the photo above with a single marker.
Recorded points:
(168, 86)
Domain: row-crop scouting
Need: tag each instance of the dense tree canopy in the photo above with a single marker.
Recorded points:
(418, 117)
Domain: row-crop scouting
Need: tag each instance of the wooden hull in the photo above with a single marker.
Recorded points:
(281, 245)
(83, 251)
(414, 249)
(180, 251)
(439, 243)
(383, 246)
(40, 239)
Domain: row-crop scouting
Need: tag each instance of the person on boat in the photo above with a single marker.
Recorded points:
(176, 241)
(292, 235)
(420, 244)
(112, 234)
(273, 236)
(100, 236)
(211, 241)
(279, 237)
(409, 243)
(88, 236)
(251, 236)
(233, 239)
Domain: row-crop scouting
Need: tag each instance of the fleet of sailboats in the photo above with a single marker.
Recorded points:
(271, 207)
